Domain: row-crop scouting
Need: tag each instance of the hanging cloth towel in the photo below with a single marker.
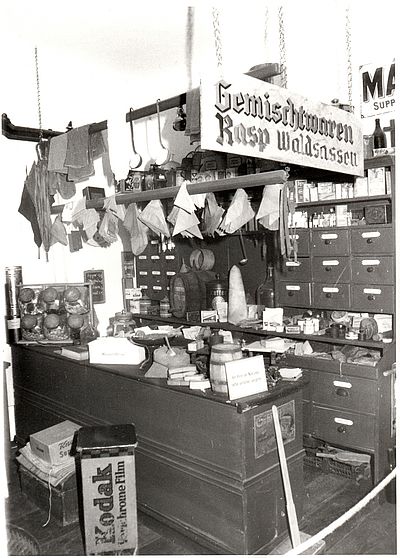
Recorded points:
(57, 154)
(58, 232)
(153, 217)
(237, 306)
(268, 211)
(212, 215)
(77, 155)
(138, 231)
(238, 213)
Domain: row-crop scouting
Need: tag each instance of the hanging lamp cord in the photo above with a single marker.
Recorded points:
(38, 94)
(282, 47)
(349, 59)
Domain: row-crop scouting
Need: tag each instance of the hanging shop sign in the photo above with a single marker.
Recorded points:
(377, 89)
(250, 117)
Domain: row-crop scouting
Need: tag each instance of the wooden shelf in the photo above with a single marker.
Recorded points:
(246, 181)
(264, 333)
(360, 200)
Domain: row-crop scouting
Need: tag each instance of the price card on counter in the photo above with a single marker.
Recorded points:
(96, 278)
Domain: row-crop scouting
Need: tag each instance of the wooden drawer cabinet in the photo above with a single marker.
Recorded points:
(302, 239)
(374, 298)
(294, 293)
(372, 240)
(330, 270)
(344, 428)
(370, 270)
(297, 271)
(344, 392)
(330, 242)
(331, 296)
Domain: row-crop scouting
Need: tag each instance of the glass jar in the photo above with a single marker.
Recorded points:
(55, 327)
(123, 324)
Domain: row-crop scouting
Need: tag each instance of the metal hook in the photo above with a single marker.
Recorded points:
(137, 161)
(161, 160)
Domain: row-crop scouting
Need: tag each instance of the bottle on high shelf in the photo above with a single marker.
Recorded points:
(265, 294)
(378, 136)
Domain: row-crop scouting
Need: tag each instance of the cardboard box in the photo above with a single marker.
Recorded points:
(361, 187)
(376, 181)
(107, 466)
(326, 191)
(53, 444)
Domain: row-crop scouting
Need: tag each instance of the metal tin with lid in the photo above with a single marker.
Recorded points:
(216, 291)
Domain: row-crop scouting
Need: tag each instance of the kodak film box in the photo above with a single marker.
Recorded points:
(53, 444)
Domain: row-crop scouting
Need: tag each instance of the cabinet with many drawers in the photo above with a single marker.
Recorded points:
(344, 269)
(351, 268)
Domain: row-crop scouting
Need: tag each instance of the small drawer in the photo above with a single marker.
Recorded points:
(296, 271)
(331, 295)
(344, 392)
(372, 240)
(378, 270)
(294, 294)
(330, 242)
(331, 270)
(344, 428)
(303, 241)
(372, 298)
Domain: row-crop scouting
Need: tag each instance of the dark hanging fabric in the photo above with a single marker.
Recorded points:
(27, 209)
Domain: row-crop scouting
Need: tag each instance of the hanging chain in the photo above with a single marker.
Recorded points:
(349, 58)
(217, 37)
(189, 44)
(266, 25)
(282, 49)
(38, 94)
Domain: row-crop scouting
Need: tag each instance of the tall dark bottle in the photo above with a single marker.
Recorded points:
(265, 294)
(379, 136)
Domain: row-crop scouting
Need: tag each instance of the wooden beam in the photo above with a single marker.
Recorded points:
(246, 181)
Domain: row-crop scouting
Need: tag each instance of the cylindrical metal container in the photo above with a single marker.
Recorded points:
(216, 291)
(13, 318)
(220, 354)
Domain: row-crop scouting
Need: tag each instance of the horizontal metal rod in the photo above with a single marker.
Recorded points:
(262, 72)
(23, 133)
(246, 181)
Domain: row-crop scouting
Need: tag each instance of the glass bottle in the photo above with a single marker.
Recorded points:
(379, 136)
(265, 294)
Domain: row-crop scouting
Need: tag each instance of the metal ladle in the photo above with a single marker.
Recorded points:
(136, 161)
(244, 259)
(164, 156)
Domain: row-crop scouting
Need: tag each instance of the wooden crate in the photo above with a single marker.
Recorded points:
(64, 499)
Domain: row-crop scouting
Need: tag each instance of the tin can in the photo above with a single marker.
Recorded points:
(216, 291)
(13, 318)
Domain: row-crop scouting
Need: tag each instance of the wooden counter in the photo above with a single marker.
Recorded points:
(205, 466)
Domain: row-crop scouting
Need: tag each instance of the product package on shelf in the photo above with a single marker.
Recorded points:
(55, 313)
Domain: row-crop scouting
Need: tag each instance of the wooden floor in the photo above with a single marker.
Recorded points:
(328, 496)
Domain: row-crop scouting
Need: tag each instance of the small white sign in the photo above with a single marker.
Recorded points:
(246, 377)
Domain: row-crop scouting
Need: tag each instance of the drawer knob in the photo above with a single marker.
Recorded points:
(327, 241)
(291, 293)
(370, 269)
(328, 295)
(342, 392)
(371, 297)
(341, 429)
(369, 241)
(328, 268)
